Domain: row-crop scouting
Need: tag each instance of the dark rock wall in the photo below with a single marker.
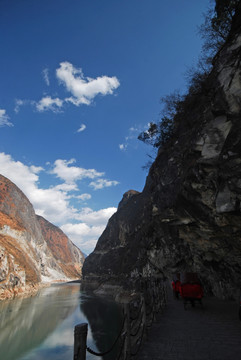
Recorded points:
(188, 216)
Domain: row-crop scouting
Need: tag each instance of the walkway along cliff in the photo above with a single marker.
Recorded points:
(188, 217)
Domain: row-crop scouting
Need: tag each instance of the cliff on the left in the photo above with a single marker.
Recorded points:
(33, 251)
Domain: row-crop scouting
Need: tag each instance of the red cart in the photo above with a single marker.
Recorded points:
(190, 289)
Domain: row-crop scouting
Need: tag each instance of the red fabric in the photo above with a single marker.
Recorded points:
(176, 285)
(194, 291)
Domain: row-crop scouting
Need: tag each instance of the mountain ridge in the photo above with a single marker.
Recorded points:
(33, 252)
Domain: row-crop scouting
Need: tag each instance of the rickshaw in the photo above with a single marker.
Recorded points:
(190, 289)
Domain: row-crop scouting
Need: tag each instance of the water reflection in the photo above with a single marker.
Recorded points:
(42, 327)
(26, 323)
(105, 321)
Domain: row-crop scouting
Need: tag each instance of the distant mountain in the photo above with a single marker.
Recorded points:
(67, 255)
(32, 250)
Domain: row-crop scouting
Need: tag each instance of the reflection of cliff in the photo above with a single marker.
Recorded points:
(26, 323)
(105, 321)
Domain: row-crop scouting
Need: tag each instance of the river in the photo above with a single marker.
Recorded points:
(42, 327)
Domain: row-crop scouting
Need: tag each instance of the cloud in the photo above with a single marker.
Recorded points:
(96, 218)
(35, 169)
(83, 197)
(131, 138)
(51, 203)
(123, 147)
(82, 128)
(102, 183)
(66, 187)
(84, 89)
(83, 226)
(18, 104)
(45, 73)
(4, 118)
(84, 236)
(71, 174)
(47, 103)
(86, 233)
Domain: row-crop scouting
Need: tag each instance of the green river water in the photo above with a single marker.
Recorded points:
(42, 327)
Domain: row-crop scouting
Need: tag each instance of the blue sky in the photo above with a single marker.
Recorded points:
(80, 79)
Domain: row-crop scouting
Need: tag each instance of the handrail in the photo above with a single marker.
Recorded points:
(133, 329)
(113, 345)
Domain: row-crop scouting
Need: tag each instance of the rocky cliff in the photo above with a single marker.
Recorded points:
(69, 258)
(188, 216)
(32, 251)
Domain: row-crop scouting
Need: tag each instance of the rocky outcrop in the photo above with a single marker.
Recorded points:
(188, 217)
(32, 251)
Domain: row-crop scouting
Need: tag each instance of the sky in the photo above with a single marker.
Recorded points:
(79, 80)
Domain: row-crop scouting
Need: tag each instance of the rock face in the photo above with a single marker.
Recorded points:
(32, 251)
(188, 217)
(69, 258)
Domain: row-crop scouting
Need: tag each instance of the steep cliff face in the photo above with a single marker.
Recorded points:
(188, 216)
(67, 255)
(30, 247)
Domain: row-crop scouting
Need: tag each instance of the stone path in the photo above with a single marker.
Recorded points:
(211, 333)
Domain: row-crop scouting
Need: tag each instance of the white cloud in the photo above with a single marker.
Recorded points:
(86, 233)
(54, 204)
(84, 236)
(97, 218)
(47, 103)
(84, 89)
(66, 187)
(35, 169)
(83, 197)
(45, 73)
(18, 104)
(51, 203)
(123, 147)
(17, 172)
(4, 118)
(102, 183)
(131, 140)
(82, 128)
(134, 129)
(70, 174)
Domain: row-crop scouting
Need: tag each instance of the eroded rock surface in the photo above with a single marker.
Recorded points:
(188, 216)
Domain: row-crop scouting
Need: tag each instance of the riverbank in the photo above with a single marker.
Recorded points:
(30, 289)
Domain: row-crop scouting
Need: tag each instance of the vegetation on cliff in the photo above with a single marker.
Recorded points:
(214, 31)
